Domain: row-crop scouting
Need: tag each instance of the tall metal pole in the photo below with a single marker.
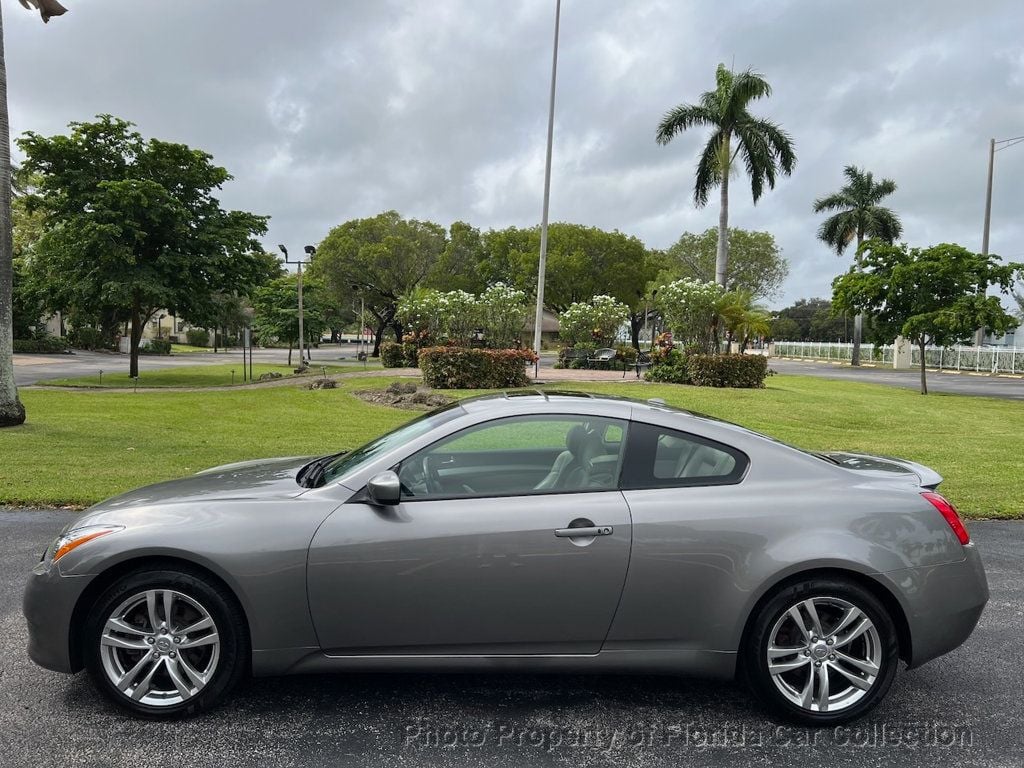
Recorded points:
(302, 358)
(979, 335)
(542, 264)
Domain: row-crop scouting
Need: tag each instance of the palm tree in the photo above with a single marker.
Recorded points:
(12, 412)
(764, 148)
(742, 317)
(858, 217)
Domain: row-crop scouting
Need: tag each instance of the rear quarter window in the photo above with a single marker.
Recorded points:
(660, 457)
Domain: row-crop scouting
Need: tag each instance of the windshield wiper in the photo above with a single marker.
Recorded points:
(311, 474)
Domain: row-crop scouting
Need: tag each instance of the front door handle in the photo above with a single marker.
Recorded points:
(593, 530)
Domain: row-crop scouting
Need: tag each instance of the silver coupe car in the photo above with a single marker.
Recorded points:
(541, 532)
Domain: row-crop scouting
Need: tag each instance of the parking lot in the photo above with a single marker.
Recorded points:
(964, 709)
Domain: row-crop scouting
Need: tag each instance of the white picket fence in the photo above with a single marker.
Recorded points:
(956, 358)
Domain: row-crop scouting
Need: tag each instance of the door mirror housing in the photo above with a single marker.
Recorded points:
(384, 489)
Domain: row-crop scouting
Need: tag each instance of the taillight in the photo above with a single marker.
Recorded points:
(948, 511)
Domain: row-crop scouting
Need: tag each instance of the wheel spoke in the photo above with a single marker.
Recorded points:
(144, 684)
(154, 619)
(126, 680)
(778, 667)
(123, 627)
(822, 699)
(198, 678)
(812, 612)
(859, 628)
(858, 682)
(807, 694)
(129, 645)
(794, 614)
(775, 651)
(202, 624)
(851, 615)
(175, 674)
(210, 639)
(168, 608)
(864, 665)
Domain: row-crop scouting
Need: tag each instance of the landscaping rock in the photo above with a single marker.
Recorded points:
(322, 384)
(406, 395)
(269, 376)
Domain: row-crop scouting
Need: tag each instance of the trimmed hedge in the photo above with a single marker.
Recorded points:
(394, 355)
(43, 345)
(668, 367)
(470, 368)
(197, 337)
(156, 347)
(741, 371)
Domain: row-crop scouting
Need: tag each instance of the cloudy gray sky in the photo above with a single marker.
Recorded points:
(325, 110)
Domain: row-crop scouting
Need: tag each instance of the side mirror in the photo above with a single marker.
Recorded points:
(384, 489)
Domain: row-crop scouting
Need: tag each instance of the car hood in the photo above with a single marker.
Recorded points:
(887, 467)
(244, 480)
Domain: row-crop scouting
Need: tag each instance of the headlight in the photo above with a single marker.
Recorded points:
(76, 537)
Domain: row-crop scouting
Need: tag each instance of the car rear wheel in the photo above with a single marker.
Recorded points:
(822, 652)
(164, 643)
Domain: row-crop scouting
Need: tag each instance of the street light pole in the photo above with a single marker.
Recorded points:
(979, 337)
(310, 250)
(542, 264)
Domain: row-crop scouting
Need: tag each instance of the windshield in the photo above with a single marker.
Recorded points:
(403, 434)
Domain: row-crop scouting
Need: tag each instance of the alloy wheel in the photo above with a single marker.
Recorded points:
(160, 647)
(824, 654)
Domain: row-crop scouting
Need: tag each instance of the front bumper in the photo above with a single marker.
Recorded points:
(48, 605)
(943, 603)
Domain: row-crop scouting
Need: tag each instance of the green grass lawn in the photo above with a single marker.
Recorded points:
(218, 375)
(184, 349)
(79, 447)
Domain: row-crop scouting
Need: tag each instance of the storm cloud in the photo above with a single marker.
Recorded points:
(325, 110)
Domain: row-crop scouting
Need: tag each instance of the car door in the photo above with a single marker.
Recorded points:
(481, 555)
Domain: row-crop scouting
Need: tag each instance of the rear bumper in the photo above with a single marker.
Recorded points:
(943, 603)
(48, 605)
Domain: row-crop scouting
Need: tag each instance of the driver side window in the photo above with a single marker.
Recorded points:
(519, 455)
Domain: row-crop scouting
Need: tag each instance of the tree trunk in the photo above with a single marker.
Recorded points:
(397, 328)
(12, 412)
(136, 337)
(858, 321)
(924, 379)
(289, 354)
(722, 255)
(636, 322)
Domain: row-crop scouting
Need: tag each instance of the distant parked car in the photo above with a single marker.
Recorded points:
(529, 531)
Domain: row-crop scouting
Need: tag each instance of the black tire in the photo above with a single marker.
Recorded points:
(233, 652)
(754, 659)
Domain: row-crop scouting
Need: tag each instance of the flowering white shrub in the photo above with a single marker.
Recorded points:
(596, 322)
(688, 308)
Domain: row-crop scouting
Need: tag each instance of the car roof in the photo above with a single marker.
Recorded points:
(555, 397)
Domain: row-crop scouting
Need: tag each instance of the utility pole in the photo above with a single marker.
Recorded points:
(994, 145)
(310, 251)
(542, 264)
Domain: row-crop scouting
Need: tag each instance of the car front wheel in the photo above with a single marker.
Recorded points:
(163, 643)
(822, 652)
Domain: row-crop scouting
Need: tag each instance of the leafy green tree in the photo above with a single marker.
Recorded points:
(931, 295)
(856, 217)
(135, 224)
(784, 329)
(380, 259)
(762, 146)
(812, 320)
(582, 262)
(756, 264)
(276, 312)
(458, 267)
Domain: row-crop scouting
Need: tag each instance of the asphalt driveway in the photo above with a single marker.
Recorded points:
(949, 383)
(965, 709)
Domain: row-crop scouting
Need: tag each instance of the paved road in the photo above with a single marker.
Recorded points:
(963, 709)
(32, 369)
(953, 383)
